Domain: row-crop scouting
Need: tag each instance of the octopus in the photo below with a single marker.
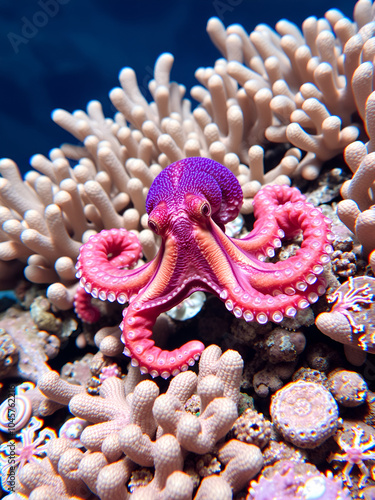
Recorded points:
(188, 205)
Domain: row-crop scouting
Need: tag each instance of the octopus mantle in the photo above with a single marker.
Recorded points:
(188, 205)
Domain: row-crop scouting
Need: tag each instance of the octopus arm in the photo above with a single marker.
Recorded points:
(103, 263)
(158, 296)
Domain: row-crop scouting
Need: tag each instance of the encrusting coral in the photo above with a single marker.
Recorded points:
(143, 201)
(347, 387)
(351, 319)
(33, 346)
(291, 480)
(355, 451)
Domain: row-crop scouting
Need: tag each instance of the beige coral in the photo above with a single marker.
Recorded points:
(130, 424)
(113, 410)
(292, 85)
(218, 396)
(356, 211)
(58, 471)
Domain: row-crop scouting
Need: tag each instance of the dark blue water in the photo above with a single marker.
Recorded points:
(62, 53)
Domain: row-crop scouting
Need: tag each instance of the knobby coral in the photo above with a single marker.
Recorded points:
(151, 430)
(305, 413)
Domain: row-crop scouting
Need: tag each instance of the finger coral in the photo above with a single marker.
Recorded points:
(129, 425)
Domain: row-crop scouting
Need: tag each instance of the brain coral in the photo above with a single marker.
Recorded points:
(305, 413)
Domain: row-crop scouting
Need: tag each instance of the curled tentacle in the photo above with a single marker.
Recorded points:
(103, 266)
(137, 337)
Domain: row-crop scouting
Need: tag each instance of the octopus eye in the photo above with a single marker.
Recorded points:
(205, 209)
(153, 226)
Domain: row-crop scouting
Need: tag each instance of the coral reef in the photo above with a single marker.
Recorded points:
(15, 454)
(351, 319)
(33, 347)
(129, 417)
(160, 201)
(355, 452)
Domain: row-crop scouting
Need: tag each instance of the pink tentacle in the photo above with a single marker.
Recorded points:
(103, 262)
(268, 229)
(251, 305)
(300, 271)
(136, 334)
(83, 307)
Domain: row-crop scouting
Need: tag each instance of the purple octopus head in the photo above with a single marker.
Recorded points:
(200, 183)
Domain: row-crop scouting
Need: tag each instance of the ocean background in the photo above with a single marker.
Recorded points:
(63, 53)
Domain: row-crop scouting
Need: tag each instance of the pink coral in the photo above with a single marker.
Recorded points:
(294, 481)
(352, 316)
